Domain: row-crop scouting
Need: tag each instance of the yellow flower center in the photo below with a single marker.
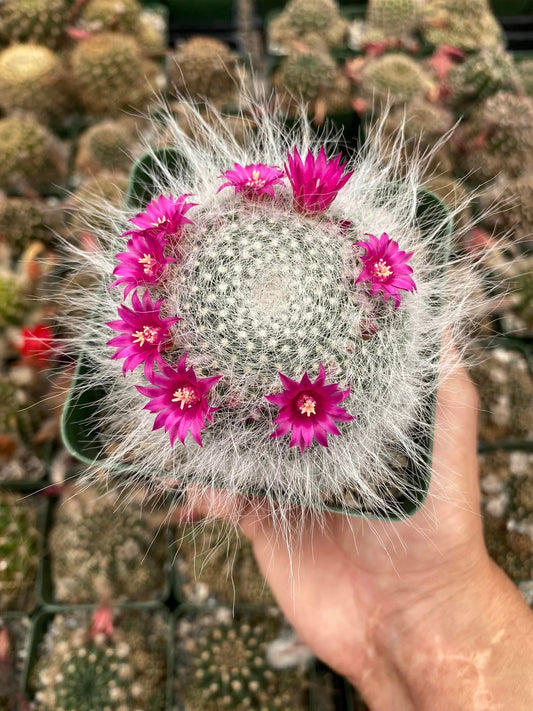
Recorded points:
(149, 334)
(148, 263)
(307, 405)
(186, 396)
(256, 181)
(381, 270)
(160, 221)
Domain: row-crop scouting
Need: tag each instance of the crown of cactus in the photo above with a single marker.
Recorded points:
(308, 21)
(30, 156)
(23, 221)
(525, 70)
(19, 540)
(482, 75)
(390, 19)
(311, 16)
(32, 79)
(204, 68)
(41, 21)
(499, 137)
(394, 78)
(460, 23)
(305, 74)
(230, 670)
(109, 73)
(99, 549)
(251, 329)
(107, 146)
(111, 15)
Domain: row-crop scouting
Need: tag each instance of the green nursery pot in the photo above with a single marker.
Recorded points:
(81, 425)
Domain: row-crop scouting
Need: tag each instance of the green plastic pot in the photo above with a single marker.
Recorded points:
(80, 422)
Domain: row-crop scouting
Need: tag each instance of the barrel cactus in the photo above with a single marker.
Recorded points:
(482, 75)
(466, 24)
(41, 21)
(109, 74)
(204, 68)
(106, 147)
(101, 550)
(305, 75)
(111, 15)
(390, 19)
(19, 543)
(394, 78)
(30, 156)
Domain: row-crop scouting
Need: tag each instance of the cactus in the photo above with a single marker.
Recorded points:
(23, 221)
(41, 21)
(106, 147)
(111, 15)
(455, 195)
(305, 75)
(152, 31)
(499, 137)
(482, 75)
(19, 542)
(204, 68)
(109, 73)
(30, 156)
(390, 19)
(16, 418)
(466, 24)
(229, 667)
(394, 78)
(12, 299)
(525, 70)
(512, 200)
(32, 79)
(108, 188)
(307, 21)
(100, 549)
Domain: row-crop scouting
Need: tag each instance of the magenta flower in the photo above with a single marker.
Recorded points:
(180, 400)
(143, 334)
(144, 263)
(386, 267)
(254, 181)
(316, 182)
(309, 410)
(164, 213)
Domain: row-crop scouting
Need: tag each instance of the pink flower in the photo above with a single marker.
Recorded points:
(316, 183)
(144, 263)
(143, 334)
(309, 410)
(255, 180)
(167, 214)
(180, 400)
(385, 266)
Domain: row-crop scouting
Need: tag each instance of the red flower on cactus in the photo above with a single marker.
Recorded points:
(385, 266)
(309, 410)
(36, 344)
(180, 400)
(143, 334)
(144, 263)
(254, 181)
(315, 183)
(166, 214)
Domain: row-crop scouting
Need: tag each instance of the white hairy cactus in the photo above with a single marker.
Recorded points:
(262, 288)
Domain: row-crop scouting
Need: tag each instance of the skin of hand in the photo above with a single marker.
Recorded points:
(414, 613)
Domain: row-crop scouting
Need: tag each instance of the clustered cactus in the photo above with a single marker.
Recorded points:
(228, 666)
(111, 15)
(104, 550)
(390, 19)
(483, 74)
(107, 146)
(306, 75)
(394, 78)
(41, 21)
(308, 21)
(466, 24)
(19, 544)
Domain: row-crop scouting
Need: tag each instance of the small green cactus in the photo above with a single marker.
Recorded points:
(466, 24)
(482, 75)
(204, 68)
(305, 75)
(107, 146)
(32, 79)
(19, 543)
(109, 74)
(23, 221)
(30, 156)
(99, 549)
(394, 78)
(111, 15)
(41, 21)
(390, 19)
(12, 299)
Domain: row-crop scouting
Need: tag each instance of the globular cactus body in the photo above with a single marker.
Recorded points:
(466, 24)
(111, 15)
(19, 540)
(41, 21)
(23, 221)
(106, 147)
(308, 21)
(482, 75)
(394, 78)
(305, 75)
(390, 19)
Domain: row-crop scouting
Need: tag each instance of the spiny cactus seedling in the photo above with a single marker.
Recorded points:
(271, 297)
(19, 542)
(498, 138)
(213, 567)
(394, 78)
(101, 549)
(304, 75)
(390, 19)
(229, 668)
(30, 156)
(41, 21)
(109, 74)
(111, 15)
(482, 75)
(32, 79)
(466, 24)
(204, 68)
(106, 147)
